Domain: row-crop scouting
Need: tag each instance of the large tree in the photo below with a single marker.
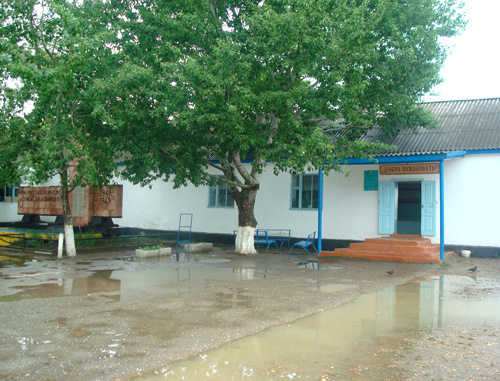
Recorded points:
(208, 85)
(54, 56)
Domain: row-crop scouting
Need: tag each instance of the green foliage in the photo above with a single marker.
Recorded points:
(155, 247)
(52, 53)
(175, 84)
(88, 238)
(34, 238)
(237, 80)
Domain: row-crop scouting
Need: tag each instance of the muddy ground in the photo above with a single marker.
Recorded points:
(110, 316)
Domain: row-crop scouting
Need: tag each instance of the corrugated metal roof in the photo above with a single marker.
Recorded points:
(462, 126)
(467, 125)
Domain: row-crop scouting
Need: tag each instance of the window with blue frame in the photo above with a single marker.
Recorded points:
(219, 196)
(305, 192)
(8, 194)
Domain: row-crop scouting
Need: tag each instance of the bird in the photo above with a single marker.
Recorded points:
(390, 272)
(473, 269)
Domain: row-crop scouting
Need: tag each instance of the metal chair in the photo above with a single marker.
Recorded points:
(305, 244)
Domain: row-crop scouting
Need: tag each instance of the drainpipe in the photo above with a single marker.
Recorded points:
(441, 209)
(320, 210)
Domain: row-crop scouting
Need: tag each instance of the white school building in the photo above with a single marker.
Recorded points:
(442, 184)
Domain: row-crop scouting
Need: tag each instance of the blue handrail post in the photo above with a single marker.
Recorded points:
(441, 210)
(320, 210)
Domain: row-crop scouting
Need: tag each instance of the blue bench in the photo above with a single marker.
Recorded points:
(262, 238)
(279, 235)
(305, 244)
(269, 237)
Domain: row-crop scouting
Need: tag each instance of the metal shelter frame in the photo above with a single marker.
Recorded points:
(184, 233)
(439, 158)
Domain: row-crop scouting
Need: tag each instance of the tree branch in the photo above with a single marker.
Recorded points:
(213, 165)
(42, 35)
(230, 182)
(249, 179)
(213, 9)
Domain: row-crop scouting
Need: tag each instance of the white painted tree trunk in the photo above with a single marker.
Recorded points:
(69, 240)
(245, 240)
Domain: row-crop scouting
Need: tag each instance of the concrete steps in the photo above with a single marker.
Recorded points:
(404, 248)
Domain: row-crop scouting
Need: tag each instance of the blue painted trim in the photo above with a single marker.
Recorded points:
(441, 210)
(484, 152)
(456, 155)
(419, 158)
(396, 159)
(320, 211)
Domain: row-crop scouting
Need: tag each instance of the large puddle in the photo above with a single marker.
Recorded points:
(330, 343)
(58, 280)
(335, 342)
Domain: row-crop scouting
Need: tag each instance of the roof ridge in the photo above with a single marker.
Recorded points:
(462, 100)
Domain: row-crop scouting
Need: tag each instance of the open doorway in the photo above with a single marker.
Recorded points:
(409, 205)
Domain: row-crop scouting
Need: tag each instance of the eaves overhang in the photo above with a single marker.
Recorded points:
(417, 158)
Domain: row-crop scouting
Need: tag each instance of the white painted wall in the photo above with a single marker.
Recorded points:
(349, 212)
(8, 212)
(472, 205)
(161, 206)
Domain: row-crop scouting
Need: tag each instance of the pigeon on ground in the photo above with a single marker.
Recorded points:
(390, 272)
(473, 269)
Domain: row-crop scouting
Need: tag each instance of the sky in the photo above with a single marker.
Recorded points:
(472, 70)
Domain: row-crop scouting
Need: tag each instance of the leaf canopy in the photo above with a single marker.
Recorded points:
(181, 86)
(53, 55)
(231, 80)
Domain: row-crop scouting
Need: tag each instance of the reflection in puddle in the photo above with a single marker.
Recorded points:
(234, 297)
(7, 261)
(117, 283)
(100, 281)
(336, 341)
(248, 273)
(215, 260)
(311, 264)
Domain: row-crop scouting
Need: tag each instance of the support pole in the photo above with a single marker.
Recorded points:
(320, 211)
(441, 209)
(60, 245)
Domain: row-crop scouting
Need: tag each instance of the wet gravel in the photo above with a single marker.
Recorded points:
(109, 316)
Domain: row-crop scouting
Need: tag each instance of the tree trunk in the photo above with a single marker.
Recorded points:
(247, 223)
(69, 235)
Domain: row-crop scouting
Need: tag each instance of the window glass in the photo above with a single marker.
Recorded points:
(305, 192)
(8, 194)
(219, 196)
(212, 194)
(229, 199)
(295, 198)
(315, 191)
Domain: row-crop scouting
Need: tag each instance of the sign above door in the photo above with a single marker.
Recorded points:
(409, 169)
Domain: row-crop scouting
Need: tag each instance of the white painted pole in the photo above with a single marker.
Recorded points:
(60, 246)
